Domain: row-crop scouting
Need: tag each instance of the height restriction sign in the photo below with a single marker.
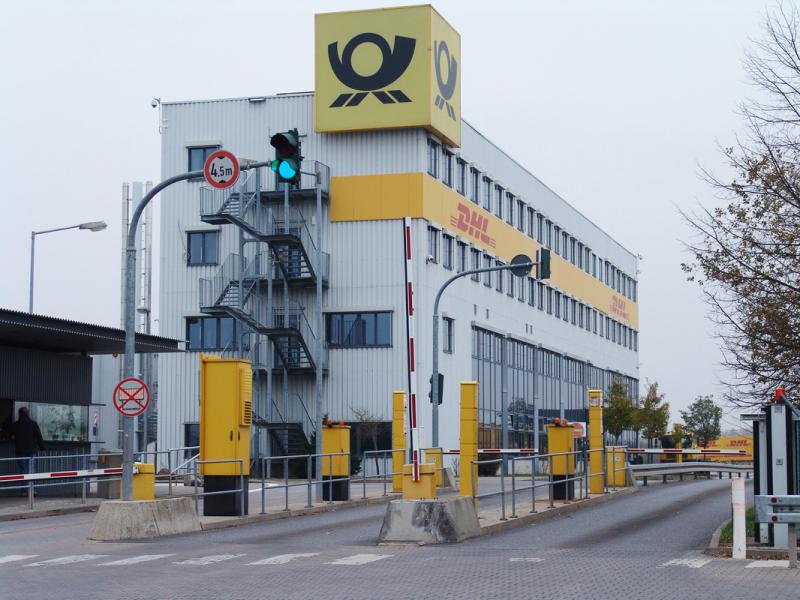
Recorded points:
(221, 169)
(131, 397)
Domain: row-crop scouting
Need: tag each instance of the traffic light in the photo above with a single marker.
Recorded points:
(440, 388)
(287, 156)
(544, 263)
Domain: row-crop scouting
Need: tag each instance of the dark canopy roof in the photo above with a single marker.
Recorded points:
(37, 332)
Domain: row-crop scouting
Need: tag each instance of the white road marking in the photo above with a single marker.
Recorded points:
(15, 557)
(359, 559)
(282, 559)
(767, 564)
(66, 560)
(530, 560)
(208, 560)
(692, 563)
(133, 560)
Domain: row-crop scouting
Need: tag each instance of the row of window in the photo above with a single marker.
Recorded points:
(458, 255)
(343, 330)
(481, 190)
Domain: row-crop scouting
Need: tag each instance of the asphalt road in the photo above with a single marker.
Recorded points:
(647, 545)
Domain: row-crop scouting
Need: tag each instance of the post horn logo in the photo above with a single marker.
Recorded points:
(446, 88)
(394, 63)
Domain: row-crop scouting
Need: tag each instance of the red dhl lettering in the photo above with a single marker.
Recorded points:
(619, 307)
(473, 224)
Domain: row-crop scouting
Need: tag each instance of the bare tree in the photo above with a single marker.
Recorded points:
(746, 253)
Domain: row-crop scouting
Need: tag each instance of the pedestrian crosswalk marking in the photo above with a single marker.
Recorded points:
(767, 564)
(692, 563)
(358, 559)
(282, 559)
(208, 560)
(133, 560)
(15, 557)
(66, 560)
(530, 560)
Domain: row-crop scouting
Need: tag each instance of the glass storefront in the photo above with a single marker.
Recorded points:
(59, 422)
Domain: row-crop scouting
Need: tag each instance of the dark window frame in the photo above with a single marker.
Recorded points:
(204, 322)
(448, 335)
(203, 261)
(342, 341)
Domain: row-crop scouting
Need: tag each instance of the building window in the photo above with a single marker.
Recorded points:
(511, 282)
(540, 229)
(608, 328)
(448, 335)
(532, 292)
(565, 244)
(594, 321)
(474, 185)
(573, 257)
(580, 315)
(565, 308)
(521, 215)
(433, 244)
(447, 167)
(461, 177)
(191, 438)
(510, 208)
(475, 254)
(359, 330)
(498, 201)
(579, 257)
(635, 341)
(531, 223)
(487, 194)
(433, 159)
(520, 289)
(574, 311)
(499, 278)
(201, 247)
(540, 295)
(211, 333)
(635, 291)
(447, 252)
(198, 156)
(461, 257)
(487, 276)
(549, 236)
(550, 301)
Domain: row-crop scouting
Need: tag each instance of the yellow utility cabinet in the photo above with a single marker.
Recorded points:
(615, 466)
(560, 439)
(336, 469)
(226, 414)
(425, 487)
(434, 456)
(144, 482)
(596, 441)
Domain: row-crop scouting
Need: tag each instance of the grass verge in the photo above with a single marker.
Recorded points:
(726, 536)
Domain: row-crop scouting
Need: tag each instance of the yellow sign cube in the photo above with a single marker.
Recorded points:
(388, 68)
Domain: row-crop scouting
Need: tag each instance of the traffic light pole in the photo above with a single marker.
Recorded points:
(435, 362)
(130, 314)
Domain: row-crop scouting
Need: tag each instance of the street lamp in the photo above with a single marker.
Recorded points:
(90, 226)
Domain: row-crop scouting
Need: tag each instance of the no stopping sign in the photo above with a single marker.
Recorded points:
(131, 397)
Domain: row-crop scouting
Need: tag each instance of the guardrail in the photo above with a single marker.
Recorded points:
(309, 482)
(664, 470)
(194, 454)
(775, 509)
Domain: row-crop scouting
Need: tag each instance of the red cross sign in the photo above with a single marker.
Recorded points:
(131, 397)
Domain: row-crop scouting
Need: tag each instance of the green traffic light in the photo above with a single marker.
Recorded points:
(287, 156)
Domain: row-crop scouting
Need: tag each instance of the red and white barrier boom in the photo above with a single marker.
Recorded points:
(62, 474)
(684, 451)
(498, 451)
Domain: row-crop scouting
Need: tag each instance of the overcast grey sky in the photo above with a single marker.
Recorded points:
(611, 103)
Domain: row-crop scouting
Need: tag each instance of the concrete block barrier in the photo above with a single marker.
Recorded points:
(118, 520)
(440, 521)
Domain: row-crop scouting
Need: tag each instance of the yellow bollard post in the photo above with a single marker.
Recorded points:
(469, 437)
(596, 441)
(560, 441)
(678, 429)
(398, 439)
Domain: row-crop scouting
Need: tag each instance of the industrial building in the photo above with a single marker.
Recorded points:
(316, 296)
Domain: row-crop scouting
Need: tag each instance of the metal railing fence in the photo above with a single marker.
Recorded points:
(240, 490)
(309, 482)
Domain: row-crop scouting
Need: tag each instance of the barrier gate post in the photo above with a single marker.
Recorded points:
(398, 439)
(469, 437)
(596, 441)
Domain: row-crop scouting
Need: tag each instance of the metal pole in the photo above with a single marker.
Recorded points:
(320, 343)
(242, 491)
(286, 484)
(792, 546)
(504, 398)
(330, 479)
(513, 490)
(30, 293)
(263, 492)
(384, 473)
(533, 484)
(435, 357)
(130, 314)
(310, 481)
(550, 474)
(502, 496)
(196, 503)
(169, 468)
(30, 483)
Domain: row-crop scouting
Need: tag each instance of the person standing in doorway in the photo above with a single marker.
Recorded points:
(28, 440)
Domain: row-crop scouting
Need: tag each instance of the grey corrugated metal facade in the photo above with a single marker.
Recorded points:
(32, 376)
(367, 274)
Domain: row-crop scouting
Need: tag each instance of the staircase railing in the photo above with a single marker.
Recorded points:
(242, 194)
(297, 320)
(296, 226)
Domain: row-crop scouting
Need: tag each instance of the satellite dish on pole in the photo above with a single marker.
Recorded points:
(522, 265)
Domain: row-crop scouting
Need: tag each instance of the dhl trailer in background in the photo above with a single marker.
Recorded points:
(732, 442)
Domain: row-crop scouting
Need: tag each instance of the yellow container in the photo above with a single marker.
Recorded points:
(425, 488)
(596, 441)
(226, 413)
(615, 466)
(144, 482)
(561, 439)
(336, 440)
